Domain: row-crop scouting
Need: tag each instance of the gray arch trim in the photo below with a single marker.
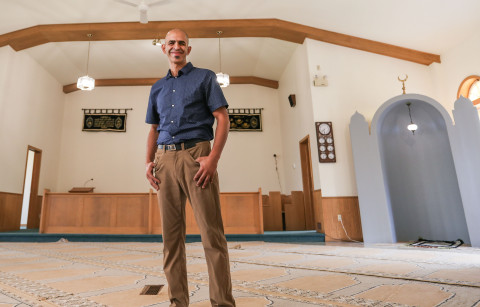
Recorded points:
(392, 102)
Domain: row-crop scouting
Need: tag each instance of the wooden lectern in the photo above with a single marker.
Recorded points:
(82, 190)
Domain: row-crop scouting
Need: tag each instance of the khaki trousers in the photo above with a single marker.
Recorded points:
(175, 170)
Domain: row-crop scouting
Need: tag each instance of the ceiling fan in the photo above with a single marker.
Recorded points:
(142, 7)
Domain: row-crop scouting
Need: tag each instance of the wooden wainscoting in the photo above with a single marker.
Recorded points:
(10, 211)
(138, 213)
(272, 212)
(348, 207)
(318, 210)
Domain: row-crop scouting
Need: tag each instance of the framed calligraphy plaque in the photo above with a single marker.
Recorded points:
(105, 120)
(245, 119)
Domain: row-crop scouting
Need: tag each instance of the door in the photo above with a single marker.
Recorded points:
(307, 180)
(31, 204)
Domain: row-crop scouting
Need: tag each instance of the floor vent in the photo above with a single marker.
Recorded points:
(151, 289)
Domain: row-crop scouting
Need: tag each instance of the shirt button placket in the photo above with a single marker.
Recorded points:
(173, 105)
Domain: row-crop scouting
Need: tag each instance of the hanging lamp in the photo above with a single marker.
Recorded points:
(222, 79)
(412, 127)
(86, 83)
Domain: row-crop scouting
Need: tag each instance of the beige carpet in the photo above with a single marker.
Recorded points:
(263, 274)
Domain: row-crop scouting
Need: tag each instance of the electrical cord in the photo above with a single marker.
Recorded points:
(276, 169)
(343, 226)
(340, 239)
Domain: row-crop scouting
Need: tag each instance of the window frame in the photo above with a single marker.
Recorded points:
(465, 87)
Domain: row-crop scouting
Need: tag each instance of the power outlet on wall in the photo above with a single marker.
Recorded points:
(339, 217)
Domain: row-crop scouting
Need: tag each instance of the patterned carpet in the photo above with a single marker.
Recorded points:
(263, 274)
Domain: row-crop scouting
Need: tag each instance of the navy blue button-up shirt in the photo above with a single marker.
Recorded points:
(182, 106)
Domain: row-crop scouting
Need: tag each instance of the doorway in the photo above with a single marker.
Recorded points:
(307, 180)
(31, 205)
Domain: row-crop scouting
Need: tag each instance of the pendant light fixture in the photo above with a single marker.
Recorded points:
(158, 41)
(412, 127)
(86, 83)
(222, 79)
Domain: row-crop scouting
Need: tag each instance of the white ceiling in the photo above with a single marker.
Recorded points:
(433, 26)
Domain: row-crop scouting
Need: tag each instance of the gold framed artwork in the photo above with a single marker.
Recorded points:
(95, 120)
(245, 119)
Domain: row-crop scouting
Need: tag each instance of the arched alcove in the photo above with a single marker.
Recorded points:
(419, 172)
(418, 185)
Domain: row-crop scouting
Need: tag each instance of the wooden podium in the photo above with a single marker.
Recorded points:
(82, 190)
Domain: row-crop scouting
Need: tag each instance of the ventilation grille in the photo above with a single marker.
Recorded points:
(151, 289)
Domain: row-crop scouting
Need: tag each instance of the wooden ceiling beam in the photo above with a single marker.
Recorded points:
(274, 28)
(371, 46)
(254, 80)
(150, 81)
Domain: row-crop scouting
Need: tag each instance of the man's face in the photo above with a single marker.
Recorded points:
(176, 47)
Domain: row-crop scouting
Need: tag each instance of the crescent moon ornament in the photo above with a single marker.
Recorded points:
(403, 82)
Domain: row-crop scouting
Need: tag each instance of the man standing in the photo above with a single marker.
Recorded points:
(180, 164)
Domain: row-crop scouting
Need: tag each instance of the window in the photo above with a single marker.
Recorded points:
(474, 92)
(470, 88)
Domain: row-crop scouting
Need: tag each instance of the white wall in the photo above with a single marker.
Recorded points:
(457, 64)
(357, 81)
(296, 122)
(116, 160)
(31, 110)
(247, 161)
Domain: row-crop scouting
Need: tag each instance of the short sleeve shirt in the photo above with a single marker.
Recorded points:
(182, 106)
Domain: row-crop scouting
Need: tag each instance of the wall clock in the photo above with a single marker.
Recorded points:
(325, 142)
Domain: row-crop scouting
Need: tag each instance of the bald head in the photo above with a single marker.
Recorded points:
(177, 30)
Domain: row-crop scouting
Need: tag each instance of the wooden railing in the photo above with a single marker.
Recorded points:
(284, 212)
(138, 213)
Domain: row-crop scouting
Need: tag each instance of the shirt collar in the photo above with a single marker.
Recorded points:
(185, 70)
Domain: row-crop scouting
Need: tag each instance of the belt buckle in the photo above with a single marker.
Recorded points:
(171, 147)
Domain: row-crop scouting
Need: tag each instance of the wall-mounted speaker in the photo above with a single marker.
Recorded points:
(292, 100)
